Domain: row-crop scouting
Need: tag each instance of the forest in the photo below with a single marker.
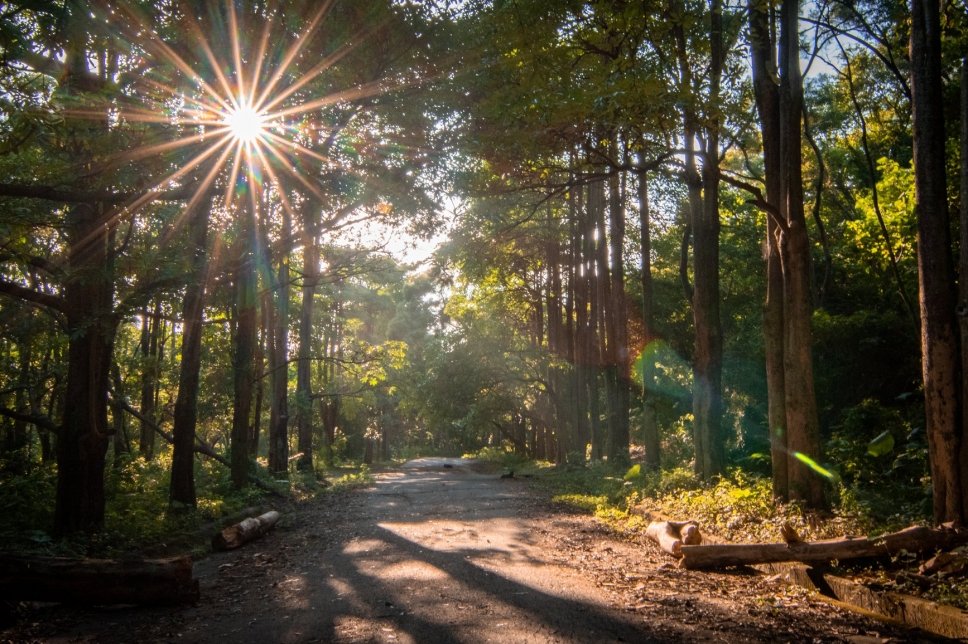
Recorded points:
(679, 249)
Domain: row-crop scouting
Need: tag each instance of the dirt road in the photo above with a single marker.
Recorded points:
(447, 554)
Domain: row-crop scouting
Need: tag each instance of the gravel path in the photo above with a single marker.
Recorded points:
(438, 552)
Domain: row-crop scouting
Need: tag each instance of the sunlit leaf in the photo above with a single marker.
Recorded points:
(883, 444)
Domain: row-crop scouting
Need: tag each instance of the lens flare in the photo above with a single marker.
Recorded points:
(813, 465)
(245, 123)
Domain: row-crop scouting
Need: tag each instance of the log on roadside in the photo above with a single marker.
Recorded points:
(914, 539)
(244, 531)
(97, 581)
(672, 535)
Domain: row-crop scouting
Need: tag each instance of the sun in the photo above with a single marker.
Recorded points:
(245, 123)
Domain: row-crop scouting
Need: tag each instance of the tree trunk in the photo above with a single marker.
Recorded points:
(915, 539)
(768, 107)
(803, 429)
(962, 309)
(279, 362)
(618, 443)
(83, 441)
(96, 581)
(707, 402)
(304, 401)
(650, 428)
(149, 377)
(244, 531)
(182, 487)
(939, 340)
(245, 341)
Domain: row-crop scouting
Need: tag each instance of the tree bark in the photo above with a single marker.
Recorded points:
(245, 339)
(182, 487)
(618, 443)
(939, 340)
(707, 404)
(915, 539)
(650, 428)
(83, 441)
(304, 400)
(767, 97)
(279, 361)
(97, 581)
(803, 429)
(244, 531)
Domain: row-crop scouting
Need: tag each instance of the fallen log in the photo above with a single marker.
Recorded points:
(672, 535)
(244, 531)
(914, 539)
(97, 581)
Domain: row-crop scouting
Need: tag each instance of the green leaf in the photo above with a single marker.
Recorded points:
(634, 472)
(881, 445)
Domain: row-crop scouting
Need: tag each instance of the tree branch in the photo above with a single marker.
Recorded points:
(40, 421)
(30, 295)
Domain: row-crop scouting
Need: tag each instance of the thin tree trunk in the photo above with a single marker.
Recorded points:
(768, 106)
(618, 443)
(304, 401)
(279, 362)
(707, 401)
(245, 341)
(182, 487)
(803, 429)
(650, 427)
(962, 310)
(939, 341)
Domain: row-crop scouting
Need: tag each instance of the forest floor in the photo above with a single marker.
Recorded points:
(434, 554)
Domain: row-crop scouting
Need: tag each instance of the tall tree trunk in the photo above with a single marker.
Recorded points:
(939, 340)
(768, 105)
(650, 427)
(962, 310)
(246, 294)
(120, 438)
(83, 442)
(618, 443)
(149, 377)
(182, 487)
(304, 400)
(803, 429)
(707, 397)
(263, 346)
(279, 361)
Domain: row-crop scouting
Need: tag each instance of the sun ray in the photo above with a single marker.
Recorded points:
(272, 175)
(200, 192)
(296, 175)
(178, 174)
(236, 50)
(283, 65)
(234, 174)
(215, 65)
(157, 148)
(260, 56)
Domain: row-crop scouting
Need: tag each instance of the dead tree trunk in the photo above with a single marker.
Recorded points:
(97, 581)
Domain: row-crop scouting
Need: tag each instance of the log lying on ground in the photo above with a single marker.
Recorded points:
(244, 531)
(97, 581)
(672, 535)
(915, 539)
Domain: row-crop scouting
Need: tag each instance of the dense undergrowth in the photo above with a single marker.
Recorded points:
(138, 516)
(737, 507)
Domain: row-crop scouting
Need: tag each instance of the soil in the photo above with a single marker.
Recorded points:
(452, 554)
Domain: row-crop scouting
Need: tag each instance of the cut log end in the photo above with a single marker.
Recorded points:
(671, 535)
(244, 531)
